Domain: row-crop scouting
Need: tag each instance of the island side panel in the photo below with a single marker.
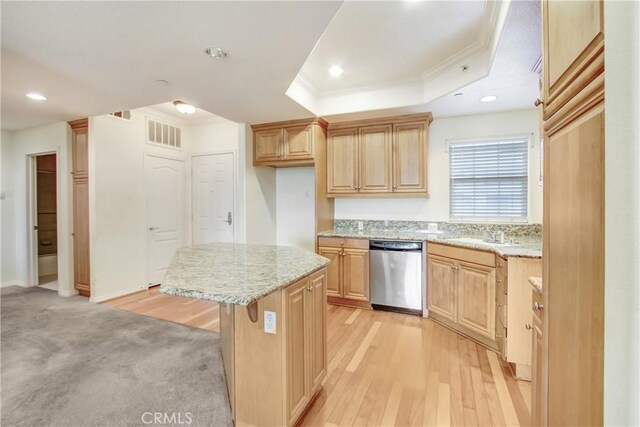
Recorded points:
(228, 351)
(259, 362)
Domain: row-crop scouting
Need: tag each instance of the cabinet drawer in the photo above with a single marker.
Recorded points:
(339, 242)
(462, 254)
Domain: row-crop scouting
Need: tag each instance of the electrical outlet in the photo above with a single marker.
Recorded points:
(360, 225)
(270, 322)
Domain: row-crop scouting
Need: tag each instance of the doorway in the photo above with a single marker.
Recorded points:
(44, 212)
(165, 188)
(213, 198)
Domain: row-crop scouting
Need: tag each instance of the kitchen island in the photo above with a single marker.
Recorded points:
(272, 323)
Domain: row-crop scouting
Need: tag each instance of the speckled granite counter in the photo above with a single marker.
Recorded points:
(236, 273)
(536, 283)
(528, 247)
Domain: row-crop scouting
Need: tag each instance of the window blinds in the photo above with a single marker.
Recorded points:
(489, 180)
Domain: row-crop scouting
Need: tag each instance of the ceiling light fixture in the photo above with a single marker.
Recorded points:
(184, 108)
(216, 52)
(489, 98)
(36, 96)
(336, 70)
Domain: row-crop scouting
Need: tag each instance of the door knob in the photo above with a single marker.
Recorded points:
(537, 306)
(229, 220)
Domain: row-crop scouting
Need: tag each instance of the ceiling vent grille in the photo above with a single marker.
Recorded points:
(164, 134)
(124, 115)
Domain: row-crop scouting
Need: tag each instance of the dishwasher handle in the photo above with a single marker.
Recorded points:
(395, 246)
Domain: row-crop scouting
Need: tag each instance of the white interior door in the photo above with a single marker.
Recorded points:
(213, 198)
(165, 187)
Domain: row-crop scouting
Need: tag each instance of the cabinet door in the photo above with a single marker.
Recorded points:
(318, 331)
(298, 143)
(476, 298)
(355, 283)
(334, 282)
(267, 145)
(80, 155)
(342, 161)
(410, 158)
(441, 287)
(374, 154)
(573, 48)
(296, 345)
(574, 269)
(537, 378)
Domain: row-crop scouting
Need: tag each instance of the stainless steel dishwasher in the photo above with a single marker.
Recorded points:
(395, 275)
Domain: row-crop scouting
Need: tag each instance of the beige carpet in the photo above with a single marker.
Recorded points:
(69, 362)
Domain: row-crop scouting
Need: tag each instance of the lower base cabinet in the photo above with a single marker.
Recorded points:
(461, 287)
(348, 273)
(538, 395)
(272, 378)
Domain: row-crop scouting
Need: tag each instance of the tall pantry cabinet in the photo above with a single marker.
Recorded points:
(572, 313)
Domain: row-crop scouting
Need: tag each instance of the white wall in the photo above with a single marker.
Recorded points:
(295, 207)
(118, 198)
(7, 212)
(43, 139)
(436, 207)
(260, 198)
(622, 214)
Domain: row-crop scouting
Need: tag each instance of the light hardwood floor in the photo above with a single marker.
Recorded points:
(385, 368)
(187, 311)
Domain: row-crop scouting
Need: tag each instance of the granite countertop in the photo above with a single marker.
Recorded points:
(235, 273)
(536, 283)
(527, 247)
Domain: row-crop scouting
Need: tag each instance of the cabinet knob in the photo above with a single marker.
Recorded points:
(537, 306)
(538, 102)
(310, 289)
(528, 327)
(499, 280)
(498, 304)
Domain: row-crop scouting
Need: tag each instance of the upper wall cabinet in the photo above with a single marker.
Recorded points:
(378, 157)
(291, 143)
(572, 58)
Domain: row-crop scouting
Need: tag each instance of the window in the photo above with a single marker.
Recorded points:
(489, 180)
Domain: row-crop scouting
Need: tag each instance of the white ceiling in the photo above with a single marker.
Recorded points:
(92, 58)
(511, 78)
(385, 42)
(200, 117)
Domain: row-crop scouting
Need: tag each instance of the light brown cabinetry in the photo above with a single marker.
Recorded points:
(272, 378)
(298, 143)
(537, 373)
(348, 277)
(461, 290)
(572, 353)
(291, 143)
(80, 234)
(378, 157)
(513, 311)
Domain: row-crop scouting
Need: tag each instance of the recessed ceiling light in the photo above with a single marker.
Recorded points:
(36, 96)
(336, 70)
(216, 52)
(184, 108)
(488, 98)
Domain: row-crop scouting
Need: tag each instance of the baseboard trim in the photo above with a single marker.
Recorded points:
(8, 283)
(67, 293)
(114, 295)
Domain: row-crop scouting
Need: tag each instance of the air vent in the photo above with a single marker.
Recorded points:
(163, 134)
(124, 115)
